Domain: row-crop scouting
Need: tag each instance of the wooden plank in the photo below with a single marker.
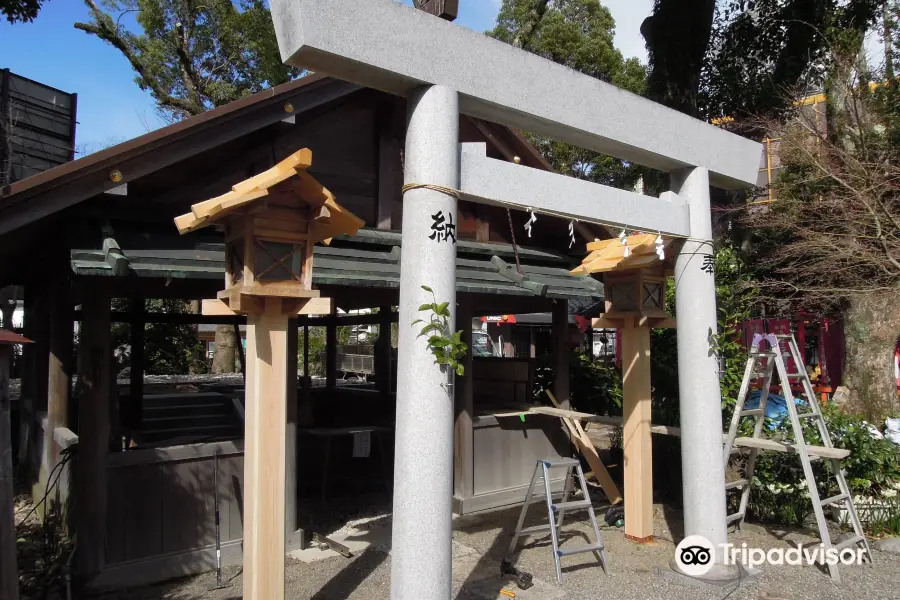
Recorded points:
(776, 446)
(560, 412)
(264, 454)
(95, 378)
(313, 306)
(9, 574)
(633, 241)
(586, 447)
(301, 159)
(636, 434)
(281, 289)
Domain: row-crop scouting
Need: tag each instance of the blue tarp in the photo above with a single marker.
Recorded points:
(776, 406)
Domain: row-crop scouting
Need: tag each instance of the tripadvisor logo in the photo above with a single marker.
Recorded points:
(694, 555)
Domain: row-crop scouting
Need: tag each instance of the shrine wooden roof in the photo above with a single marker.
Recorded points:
(369, 259)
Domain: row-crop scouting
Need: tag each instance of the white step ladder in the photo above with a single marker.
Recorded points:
(761, 364)
(556, 510)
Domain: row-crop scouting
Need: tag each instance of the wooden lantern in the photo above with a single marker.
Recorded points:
(638, 292)
(634, 285)
(634, 279)
(271, 223)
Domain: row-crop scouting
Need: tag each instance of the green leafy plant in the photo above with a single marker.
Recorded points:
(447, 346)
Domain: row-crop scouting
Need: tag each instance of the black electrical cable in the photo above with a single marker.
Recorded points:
(67, 455)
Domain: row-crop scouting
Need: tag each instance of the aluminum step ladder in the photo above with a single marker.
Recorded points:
(556, 511)
(761, 364)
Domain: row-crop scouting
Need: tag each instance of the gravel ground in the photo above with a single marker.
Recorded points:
(481, 541)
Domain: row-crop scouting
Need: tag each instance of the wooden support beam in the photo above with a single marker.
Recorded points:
(135, 416)
(305, 417)
(35, 378)
(463, 444)
(59, 367)
(390, 168)
(331, 352)
(383, 363)
(560, 351)
(636, 434)
(290, 444)
(9, 574)
(265, 453)
(95, 359)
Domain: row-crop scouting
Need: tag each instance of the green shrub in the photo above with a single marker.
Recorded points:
(779, 491)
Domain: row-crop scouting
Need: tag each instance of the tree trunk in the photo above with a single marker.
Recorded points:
(872, 325)
(677, 36)
(223, 351)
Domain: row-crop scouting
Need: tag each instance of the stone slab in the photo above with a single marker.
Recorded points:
(392, 47)
(492, 181)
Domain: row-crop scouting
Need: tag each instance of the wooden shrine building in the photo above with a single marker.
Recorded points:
(101, 228)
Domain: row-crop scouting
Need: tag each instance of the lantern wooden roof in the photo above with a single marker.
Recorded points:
(271, 223)
(284, 185)
(609, 255)
(8, 337)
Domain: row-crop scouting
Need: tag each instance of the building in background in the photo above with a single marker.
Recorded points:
(37, 127)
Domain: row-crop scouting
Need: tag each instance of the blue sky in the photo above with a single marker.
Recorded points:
(111, 107)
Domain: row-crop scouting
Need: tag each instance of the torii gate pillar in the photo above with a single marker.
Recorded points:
(702, 468)
(423, 457)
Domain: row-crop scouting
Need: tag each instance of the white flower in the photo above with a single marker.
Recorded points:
(889, 493)
(896, 485)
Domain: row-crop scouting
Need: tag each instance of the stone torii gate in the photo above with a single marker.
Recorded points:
(444, 70)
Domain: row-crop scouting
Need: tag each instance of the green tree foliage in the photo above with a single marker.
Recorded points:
(739, 57)
(20, 11)
(168, 349)
(193, 56)
(764, 50)
(579, 35)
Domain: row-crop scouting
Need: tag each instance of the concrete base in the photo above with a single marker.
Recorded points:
(720, 579)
